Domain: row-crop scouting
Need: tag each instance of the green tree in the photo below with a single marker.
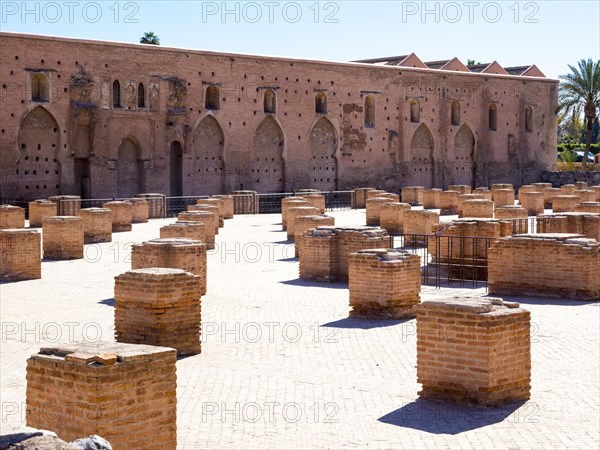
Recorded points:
(150, 38)
(581, 89)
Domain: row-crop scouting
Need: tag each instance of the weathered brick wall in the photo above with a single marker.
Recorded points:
(565, 203)
(473, 350)
(384, 283)
(67, 205)
(97, 224)
(586, 224)
(214, 210)
(191, 230)
(304, 223)
(413, 195)
(122, 215)
(325, 250)
(373, 210)
(533, 202)
(62, 237)
(477, 208)
(159, 306)
(20, 258)
(510, 212)
(391, 216)
(39, 209)
(228, 211)
(157, 205)
(295, 212)
(290, 202)
(175, 253)
(527, 265)
(208, 219)
(11, 217)
(431, 198)
(219, 203)
(140, 210)
(123, 392)
(589, 207)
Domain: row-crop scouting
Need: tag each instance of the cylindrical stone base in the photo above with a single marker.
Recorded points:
(62, 237)
(97, 225)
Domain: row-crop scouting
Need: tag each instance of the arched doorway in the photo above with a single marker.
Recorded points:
(38, 167)
(323, 163)
(267, 169)
(421, 165)
(130, 170)
(464, 149)
(208, 145)
(176, 169)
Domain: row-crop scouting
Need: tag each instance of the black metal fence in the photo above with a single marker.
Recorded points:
(175, 205)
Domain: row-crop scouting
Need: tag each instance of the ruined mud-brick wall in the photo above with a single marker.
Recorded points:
(473, 350)
(125, 393)
(384, 283)
(21, 256)
(586, 224)
(550, 265)
(159, 306)
(239, 122)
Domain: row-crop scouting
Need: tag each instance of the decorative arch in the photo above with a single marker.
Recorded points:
(38, 168)
(463, 165)
(323, 170)
(268, 168)
(130, 169)
(421, 167)
(208, 154)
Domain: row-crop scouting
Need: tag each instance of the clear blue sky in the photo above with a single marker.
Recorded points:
(548, 33)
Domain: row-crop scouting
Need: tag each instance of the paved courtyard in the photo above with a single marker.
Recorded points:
(282, 365)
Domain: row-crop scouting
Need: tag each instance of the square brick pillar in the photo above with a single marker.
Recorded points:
(227, 205)
(374, 193)
(219, 203)
(157, 204)
(391, 216)
(413, 195)
(207, 218)
(582, 185)
(39, 209)
(123, 392)
(449, 203)
(542, 186)
(140, 210)
(190, 230)
(567, 189)
(549, 194)
(473, 350)
(431, 198)
(420, 222)
(67, 205)
(159, 306)
(589, 207)
(596, 189)
(122, 215)
(565, 203)
(21, 256)
(478, 208)
(63, 237)
(316, 201)
(11, 217)
(290, 202)
(298, 211)
(374, 205)
(304, 223)
(97, 225)
(462, 189)
(503, 197)
(181, 253)
(533, 202)
(463, 198)
(360, 197)
(353, 239)
(510, 212)
(536, 264)
(384, 283)
(585, 195)
(526, 188)
(214, 210)
(487, 194)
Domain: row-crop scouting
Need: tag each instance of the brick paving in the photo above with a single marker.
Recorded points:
(282, 365)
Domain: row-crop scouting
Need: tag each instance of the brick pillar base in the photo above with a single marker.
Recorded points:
(97, 224)
(122, 215)
(11, 217)
(205, 217)
(21, 257)
(39, 209)
(62, 237)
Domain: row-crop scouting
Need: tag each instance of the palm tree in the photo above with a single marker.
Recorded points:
(581, 89)
(150, 38)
